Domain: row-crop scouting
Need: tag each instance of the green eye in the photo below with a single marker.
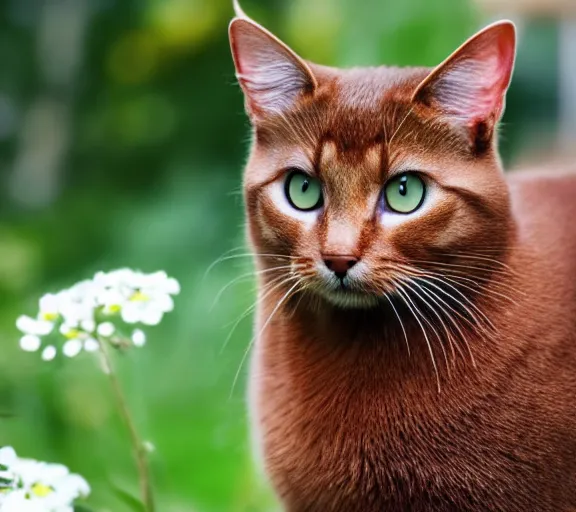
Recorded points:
(405, 193)
(303, 191)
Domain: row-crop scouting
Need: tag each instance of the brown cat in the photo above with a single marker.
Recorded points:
(416, 333)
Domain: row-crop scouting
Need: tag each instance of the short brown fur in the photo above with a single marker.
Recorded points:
(350, 413)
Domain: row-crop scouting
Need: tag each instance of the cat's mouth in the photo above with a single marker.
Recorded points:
(346, 294)
(347, 291)
(345, 297)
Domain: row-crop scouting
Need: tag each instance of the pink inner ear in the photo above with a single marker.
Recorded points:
(471, 84)
(271, 75)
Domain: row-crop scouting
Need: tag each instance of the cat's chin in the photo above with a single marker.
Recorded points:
(348, 299)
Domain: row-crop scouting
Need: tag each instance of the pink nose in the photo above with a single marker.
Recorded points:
(339, 264)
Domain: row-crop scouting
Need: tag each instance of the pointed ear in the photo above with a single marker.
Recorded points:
(271, 75)
(469, 87)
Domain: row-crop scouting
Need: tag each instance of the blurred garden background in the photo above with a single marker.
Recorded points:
(122, 141)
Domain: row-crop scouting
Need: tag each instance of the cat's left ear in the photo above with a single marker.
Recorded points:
(271, 75)
(469, 87)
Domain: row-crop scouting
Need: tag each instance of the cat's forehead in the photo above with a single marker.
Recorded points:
(353, 108)
(366, 89)
(363, 104)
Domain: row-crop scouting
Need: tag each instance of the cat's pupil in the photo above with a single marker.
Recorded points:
(305, 185)
(403, 189)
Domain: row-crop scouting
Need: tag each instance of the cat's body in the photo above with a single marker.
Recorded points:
(347, 425)
(414, 361)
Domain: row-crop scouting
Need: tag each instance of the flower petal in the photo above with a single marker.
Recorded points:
(164, 303)
(48, 304)
(72, 348)
(8, 456)
(88, 325)
(91, 345)
(139, 338)
(49, 353)
(106, 329)
(30, 325)
(172, 286)
(152, 316)
(131, 313)
(30, 343)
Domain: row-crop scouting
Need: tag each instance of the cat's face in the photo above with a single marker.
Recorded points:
(360, 179)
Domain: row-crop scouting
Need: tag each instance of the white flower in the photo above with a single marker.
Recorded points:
(41, 487)
(49, 353)
(72, 347)
(91, 345)
(106, 329)
(151, 299)
(77, 304)
(76, 340)
(139, 338)
(140, 298)
(48, 306)
(17, 501)
(36, 327)
(30, 343)
(8, 458)
(76, 311)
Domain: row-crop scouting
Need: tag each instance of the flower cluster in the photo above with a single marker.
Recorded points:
(37, 486)
(91, 311)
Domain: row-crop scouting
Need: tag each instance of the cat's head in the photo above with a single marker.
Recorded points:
(360, 178)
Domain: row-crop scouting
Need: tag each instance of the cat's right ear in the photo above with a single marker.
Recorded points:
(469, 87)
(271, 75)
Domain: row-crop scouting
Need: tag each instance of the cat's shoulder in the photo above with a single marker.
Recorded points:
(544, 204)
(556, 183)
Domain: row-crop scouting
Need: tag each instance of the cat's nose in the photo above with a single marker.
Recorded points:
(340, 264)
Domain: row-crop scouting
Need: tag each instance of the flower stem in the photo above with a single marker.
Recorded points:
(138, 448)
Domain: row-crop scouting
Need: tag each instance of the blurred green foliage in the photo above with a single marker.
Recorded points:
(122, 137)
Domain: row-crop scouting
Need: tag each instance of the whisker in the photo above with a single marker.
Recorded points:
(409, 283)
(464, 306)
(479, 288)
(449, 316)
(276, 308)
(421, 273)
(461, 275)
(471, 256)
(400, 321)
(271, 287)
(404, 297)
(467, 267)
(245, 255)
(247, 275)
(456, 275)
(449, 333)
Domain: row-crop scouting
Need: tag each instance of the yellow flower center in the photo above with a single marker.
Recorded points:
(72, 333)
(49, 316)
(114, 308)
(139, 297)
(41, 490)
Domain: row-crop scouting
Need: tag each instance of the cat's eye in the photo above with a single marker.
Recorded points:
(405, 193)
(303, 192)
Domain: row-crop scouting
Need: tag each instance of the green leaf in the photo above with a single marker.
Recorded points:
(129, 500)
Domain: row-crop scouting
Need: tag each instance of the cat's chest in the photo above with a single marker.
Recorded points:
(328, 434)
(334, 438)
